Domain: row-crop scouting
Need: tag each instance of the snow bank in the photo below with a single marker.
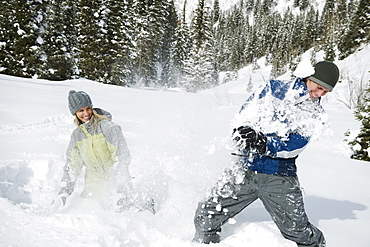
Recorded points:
(180, 144)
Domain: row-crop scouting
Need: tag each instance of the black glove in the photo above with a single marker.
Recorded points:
(248, 139)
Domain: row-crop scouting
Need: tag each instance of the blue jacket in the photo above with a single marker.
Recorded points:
(282, 150)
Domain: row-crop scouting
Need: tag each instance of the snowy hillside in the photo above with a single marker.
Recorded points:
(180, 143)
(281, 5)
(192, 4)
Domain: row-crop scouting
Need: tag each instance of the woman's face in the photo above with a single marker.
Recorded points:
(316, 90)
(84, 114)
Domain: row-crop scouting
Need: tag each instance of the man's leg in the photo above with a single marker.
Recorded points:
(221, 206)
(282, 198)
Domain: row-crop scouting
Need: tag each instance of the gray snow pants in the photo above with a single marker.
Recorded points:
(281, 196)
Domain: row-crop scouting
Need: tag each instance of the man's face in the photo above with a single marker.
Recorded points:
(316, 90)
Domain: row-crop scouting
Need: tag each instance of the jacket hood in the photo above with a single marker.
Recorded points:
(103, 113)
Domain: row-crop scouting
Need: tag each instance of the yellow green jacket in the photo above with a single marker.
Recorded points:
(102, 150)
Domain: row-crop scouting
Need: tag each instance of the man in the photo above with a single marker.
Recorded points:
(273, 127)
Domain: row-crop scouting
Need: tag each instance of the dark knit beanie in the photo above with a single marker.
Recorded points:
(78, 100)
(326, 74)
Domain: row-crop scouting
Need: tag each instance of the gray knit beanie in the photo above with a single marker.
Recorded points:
(326, 74)
(77, 100)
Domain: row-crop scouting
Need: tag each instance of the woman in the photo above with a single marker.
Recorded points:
(98, 145)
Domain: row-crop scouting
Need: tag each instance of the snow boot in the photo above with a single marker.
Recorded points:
(206, 238)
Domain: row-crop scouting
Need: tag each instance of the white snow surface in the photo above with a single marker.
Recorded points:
(180, 144)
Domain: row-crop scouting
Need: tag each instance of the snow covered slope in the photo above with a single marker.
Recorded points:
(281, 5)
(180, 143)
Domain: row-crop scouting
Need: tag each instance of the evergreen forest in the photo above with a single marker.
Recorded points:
(151, 43)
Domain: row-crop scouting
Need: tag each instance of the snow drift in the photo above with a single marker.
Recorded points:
(180, 144)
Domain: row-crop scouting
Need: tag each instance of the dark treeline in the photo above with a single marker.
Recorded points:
(150, 43)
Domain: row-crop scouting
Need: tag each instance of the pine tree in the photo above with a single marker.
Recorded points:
(237, 25)
(267, 6)
(220, 38)
(92, 40)
(358, 31)
(297, 42)
(343, 20)
(121, 52)
(329, 31)
(181, 50)
(215, 15)
(166, 48)
(310, 29)
(281, 54)
(251, 41)
(200, 67)
(20, 47)
(200, 25)
(361, 143)
(271, 36)
(149, 19)
(59, 41)
(6, 35)
(256, 44)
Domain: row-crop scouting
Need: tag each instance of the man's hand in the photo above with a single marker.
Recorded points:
(247, 138)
